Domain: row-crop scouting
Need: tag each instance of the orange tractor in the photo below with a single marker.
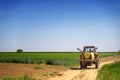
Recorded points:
(88, 57)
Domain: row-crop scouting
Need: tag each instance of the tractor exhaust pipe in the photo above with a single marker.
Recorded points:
(80, 50)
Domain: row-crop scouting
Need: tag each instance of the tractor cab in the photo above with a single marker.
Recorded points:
(90, 52)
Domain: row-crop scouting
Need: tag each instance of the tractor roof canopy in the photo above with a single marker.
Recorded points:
(90, 47)
(87, 48)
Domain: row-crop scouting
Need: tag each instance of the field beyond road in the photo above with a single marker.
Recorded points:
(51, 58)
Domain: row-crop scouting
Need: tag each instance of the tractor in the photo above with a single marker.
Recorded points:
(89, 57)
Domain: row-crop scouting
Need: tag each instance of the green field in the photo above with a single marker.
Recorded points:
(52, 58)
(109, 72)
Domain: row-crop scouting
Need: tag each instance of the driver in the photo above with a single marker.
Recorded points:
(92, 54)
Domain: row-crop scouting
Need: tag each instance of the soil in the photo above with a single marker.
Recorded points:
(39, 72)
(50, 72)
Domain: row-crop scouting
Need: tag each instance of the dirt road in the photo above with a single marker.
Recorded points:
(87, 74)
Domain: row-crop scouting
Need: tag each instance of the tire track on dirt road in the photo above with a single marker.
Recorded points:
(86, 74)
(90, 73)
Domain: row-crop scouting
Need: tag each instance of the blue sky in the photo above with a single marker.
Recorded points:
(59, 25)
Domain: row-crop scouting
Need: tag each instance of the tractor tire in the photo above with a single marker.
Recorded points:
(85, 66)
(97, 64)
(81, 65)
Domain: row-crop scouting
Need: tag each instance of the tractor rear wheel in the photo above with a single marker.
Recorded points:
(81, 65)
(97, 64)
(85, 66)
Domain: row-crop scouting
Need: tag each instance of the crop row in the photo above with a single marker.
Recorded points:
(52, 58)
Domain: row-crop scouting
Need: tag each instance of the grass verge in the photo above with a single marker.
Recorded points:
(109, 72)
